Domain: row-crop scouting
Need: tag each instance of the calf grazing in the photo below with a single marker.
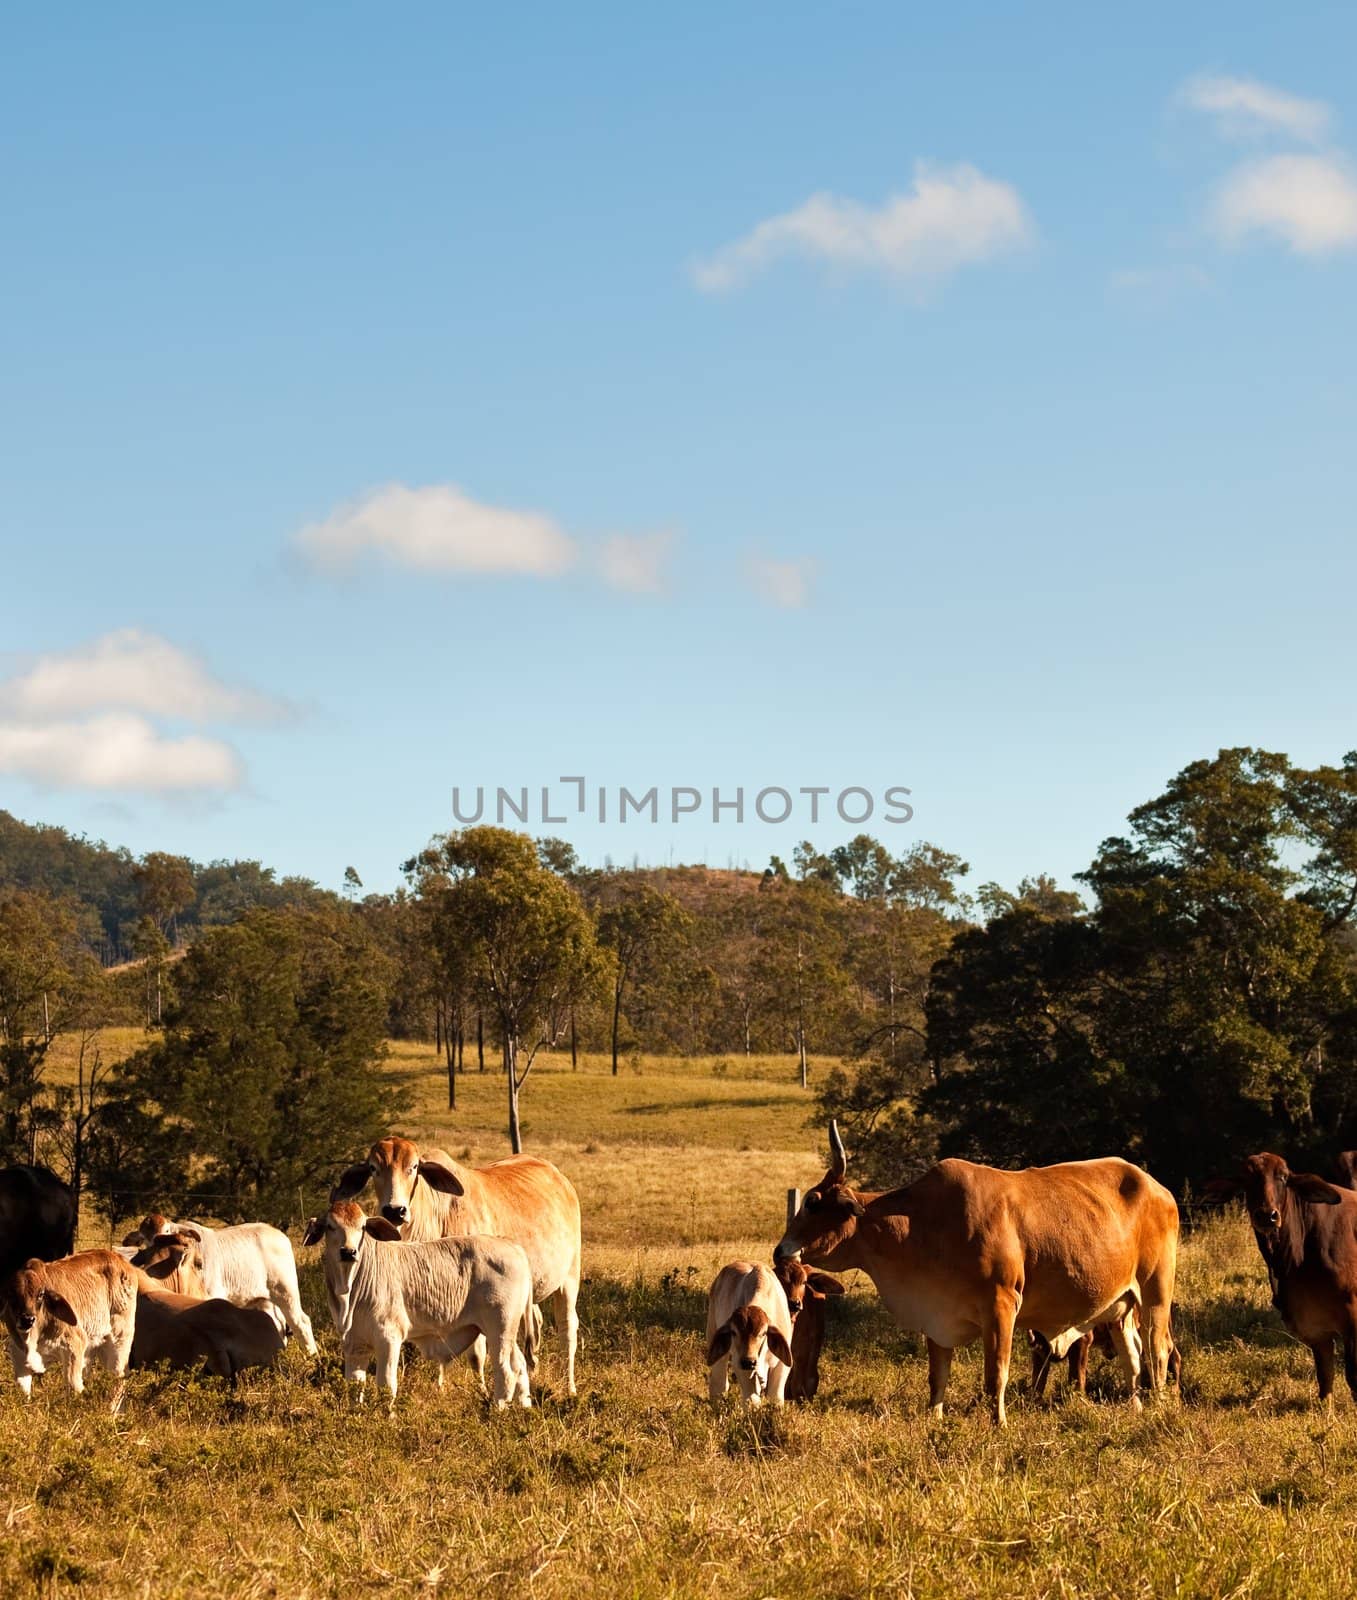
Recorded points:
(970, 1252)
(246, 1262)
(1307, 1236)
(186, 1332)
(1044, 1356)
(77, 1309)
(806, 1292)
(749, 1333)
(440, 1294)
(428, 1195)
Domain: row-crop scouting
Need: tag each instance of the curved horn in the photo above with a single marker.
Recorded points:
(839, 1156)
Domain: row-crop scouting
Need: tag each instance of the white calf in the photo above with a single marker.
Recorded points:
(440, 1294)
(749, 1332)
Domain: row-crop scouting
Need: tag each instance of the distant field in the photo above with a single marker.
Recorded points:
(1242, 1488)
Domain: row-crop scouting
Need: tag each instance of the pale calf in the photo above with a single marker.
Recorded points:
(749, 1333)
(246, 1262)
(76, 1310)
(440, 1294)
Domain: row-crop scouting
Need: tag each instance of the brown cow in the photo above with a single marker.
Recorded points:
(185, 1332)
(971, 1252)
(427, 1195)
(77, 1309)
(1307, 1236)
(806, 1292)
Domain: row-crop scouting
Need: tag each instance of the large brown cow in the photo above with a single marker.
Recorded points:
(969, 1252)
(1307, 1235)
(427, 1195)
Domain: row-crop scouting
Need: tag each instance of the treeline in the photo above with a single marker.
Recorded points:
(1198, 1000)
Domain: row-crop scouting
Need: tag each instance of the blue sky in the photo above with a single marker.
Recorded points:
(395, 399)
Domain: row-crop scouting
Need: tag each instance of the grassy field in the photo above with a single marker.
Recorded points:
(1244, 1487)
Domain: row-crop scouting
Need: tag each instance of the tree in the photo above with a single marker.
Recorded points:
(36, 938)
(268, 1074)
(165, 887)
(352, 882)
(646, 930)
(528, 938)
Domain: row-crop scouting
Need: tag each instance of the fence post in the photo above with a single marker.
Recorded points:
(793, 1204)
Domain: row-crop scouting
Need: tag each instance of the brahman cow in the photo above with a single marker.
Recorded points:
(37, 1217)
(969, 1252)
(78, 1309)
(749, 1333)
(440, 1294)
(1306, 1230)
(427, 1195)
(806, 1291)
(243, 1263)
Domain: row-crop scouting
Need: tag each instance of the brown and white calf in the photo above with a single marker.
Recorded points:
(749, 1333)
(428, 1195)
(246, 1262)
(806, 1291)
(440, 1294)
(76, 1310)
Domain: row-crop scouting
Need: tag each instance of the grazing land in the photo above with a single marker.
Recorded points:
(1243, 1488)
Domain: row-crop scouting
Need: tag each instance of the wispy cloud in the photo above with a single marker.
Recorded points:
(952, 217)
(1243, 108)
(785, 584)
(1158, 286)
(116, 751)
(439, 529)
(635, 562)
(131, 670)
(1308, 202)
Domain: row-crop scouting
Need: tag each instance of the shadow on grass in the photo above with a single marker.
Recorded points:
(660, 1108)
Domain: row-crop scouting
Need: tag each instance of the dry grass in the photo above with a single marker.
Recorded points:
(1242, 1488)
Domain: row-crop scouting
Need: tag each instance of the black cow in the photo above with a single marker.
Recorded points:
(37, 1217)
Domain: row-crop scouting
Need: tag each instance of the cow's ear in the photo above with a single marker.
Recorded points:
(133, 1240)
(380, 1228)
(720, 1344)
(60, 1307)
(351, 1182)
(822, 1283)
(439, 1177)
(192, 1233)
(315, 1231)
(854, 1205)
(1309, 1186)
(777, 1343)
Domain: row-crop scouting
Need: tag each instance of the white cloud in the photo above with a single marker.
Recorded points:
(635, 562)
(1245, 108)
(116, 750)
(952, 217)
(1308, 202)
(781, 583)
(132, 671)
(439, 529)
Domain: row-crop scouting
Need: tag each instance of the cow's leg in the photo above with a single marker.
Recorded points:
(1126, 1345)
(1350, 1350)
(1322, 1350)
(504, 1348)
(1077, 1364)
(522, 1383)
(288, 1301)
(356, 1368)
(74, 1352)
(1041, 1364)
(388, 1366)
(1155, 1323)
(939, 1369)
(568, 1323)
(718, 1380)
(997, 1332)
(475, 1356)
(777, 1382)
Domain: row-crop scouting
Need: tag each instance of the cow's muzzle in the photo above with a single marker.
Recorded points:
(347, 1254)
(25, 1323)
(396, 1214)
(1265, 1219)
(785, 1253)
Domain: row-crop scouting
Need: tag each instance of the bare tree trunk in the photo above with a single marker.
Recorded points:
(800, 1020)
(450, 1060)
(480, 1040)
(617, 1019)
(574, 1044)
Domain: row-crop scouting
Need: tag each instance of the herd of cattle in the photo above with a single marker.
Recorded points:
(458, 1260)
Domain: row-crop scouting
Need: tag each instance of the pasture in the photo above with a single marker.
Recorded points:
(1243, 1488)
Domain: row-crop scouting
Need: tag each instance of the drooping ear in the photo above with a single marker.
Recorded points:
(1309, 1186)
(380, 1228)
(720, 1344)
(60, 1307)
(351, 1182)
(315, 1230)
(191, 1233)
(854, 1205)
(822, 1283)
(777, 1343)
(165, 1267)
(437, 1176)
(133, 1240)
